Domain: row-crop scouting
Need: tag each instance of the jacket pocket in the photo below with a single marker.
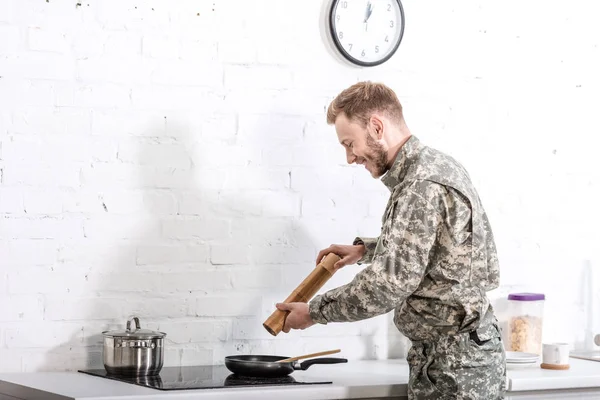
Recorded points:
(483, 335)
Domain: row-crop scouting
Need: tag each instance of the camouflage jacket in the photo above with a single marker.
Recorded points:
(435, 257)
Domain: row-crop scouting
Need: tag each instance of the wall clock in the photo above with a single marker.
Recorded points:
(366, 32)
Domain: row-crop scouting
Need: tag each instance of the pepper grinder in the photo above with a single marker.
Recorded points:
(304, 292)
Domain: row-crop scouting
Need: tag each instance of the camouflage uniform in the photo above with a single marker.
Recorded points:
(432, 263)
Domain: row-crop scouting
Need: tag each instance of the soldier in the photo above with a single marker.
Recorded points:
(433, 262)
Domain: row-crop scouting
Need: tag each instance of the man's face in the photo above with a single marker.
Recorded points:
(362, 145)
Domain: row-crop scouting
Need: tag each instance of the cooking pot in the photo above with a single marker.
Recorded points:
(137, 352)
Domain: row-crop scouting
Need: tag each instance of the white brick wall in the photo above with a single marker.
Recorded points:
(173, 161)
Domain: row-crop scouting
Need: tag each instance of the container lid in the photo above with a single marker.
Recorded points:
(136, 333)
(526, 296)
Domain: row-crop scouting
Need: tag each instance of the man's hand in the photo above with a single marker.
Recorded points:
(350, 254)
(298, 318)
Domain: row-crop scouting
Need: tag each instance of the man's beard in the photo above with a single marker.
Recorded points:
(377, 156)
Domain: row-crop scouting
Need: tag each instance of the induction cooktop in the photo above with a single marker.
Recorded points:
(201, 377)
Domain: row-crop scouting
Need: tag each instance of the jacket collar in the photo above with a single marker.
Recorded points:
(397, 172)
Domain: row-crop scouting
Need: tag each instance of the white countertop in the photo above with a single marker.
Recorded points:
(581, 374)
(356, 379)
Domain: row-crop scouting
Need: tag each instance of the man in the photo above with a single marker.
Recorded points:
(433, 262)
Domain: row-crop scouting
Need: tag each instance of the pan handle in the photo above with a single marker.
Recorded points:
(324, 360)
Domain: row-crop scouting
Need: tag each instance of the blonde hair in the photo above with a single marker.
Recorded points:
(362, 99)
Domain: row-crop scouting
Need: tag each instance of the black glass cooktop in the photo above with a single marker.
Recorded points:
(201, 377)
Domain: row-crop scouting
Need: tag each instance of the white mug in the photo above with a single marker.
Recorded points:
(555, 353)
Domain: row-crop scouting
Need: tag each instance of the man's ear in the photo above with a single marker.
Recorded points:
(377, 125)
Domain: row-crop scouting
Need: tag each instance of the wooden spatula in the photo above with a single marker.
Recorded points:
(322, 353)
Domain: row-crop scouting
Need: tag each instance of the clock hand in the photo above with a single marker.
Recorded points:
(368, 11)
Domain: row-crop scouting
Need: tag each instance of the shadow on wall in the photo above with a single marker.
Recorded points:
(573, 321)
(198, 236)
(590, 301)
(119, 222)
(191, 239)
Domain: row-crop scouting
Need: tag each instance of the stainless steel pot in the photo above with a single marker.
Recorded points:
(137, 352)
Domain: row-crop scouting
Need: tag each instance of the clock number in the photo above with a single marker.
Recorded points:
(376, 49)
(350, 44)
(389, 7)
(344, 4)
(386, 39)
(341, 35)
(391, 24)
(337, 17)
(363, 53)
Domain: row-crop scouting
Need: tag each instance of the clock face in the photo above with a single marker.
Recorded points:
(367, 32)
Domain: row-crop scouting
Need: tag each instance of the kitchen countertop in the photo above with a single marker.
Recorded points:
(354, 380)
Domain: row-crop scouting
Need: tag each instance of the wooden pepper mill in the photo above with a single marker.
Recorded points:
(304, 292)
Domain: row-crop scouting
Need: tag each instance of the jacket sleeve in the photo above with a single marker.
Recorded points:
(398, 265)
(370, 244)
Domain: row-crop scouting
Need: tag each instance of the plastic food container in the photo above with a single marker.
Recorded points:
(525, 323)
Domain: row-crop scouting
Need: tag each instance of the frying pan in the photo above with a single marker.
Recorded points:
(260, 366)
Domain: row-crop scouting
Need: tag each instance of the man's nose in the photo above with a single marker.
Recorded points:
(350, 157)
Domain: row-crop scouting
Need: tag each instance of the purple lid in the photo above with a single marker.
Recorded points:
(526, 296)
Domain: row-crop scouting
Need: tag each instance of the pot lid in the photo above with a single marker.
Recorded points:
(136, 332)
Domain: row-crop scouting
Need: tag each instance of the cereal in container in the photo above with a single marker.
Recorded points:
(525, 322)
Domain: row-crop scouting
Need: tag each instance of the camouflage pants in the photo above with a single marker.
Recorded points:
(469, 366)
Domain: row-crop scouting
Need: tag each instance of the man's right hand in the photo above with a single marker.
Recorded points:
(350, 254)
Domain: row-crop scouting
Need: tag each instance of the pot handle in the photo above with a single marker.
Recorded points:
(137, 324)
(325, 360)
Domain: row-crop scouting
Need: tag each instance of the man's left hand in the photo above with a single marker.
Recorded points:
(298, 318)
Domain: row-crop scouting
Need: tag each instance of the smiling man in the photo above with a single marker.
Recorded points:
(433, 262)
